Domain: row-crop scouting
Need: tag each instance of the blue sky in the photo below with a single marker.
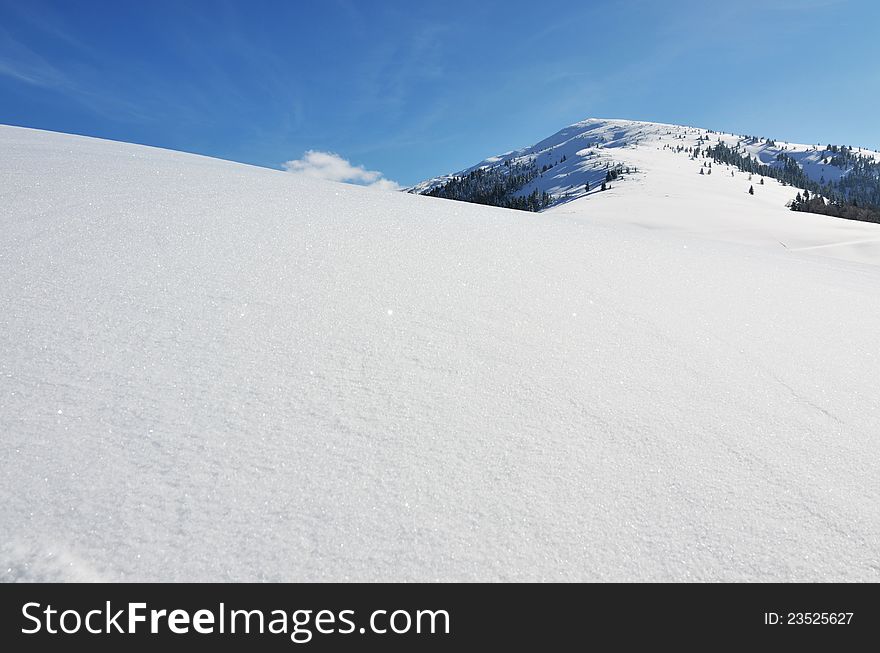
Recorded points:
(416, 89)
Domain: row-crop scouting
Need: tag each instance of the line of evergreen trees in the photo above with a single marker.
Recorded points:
(850, 211)
(855, 196)
(496, 186)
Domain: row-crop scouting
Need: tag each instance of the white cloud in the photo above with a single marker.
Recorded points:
(386, 184)
(330, 166)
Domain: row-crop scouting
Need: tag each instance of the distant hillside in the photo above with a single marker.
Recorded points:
(587, 157)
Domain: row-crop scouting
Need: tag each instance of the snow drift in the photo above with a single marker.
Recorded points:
(210, 371)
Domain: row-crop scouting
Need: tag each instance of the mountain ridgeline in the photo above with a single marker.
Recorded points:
(586, 157)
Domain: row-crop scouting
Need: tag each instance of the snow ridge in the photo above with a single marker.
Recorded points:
(211, 371)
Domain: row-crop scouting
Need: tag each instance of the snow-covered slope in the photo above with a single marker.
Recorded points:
(210, 371)
(661, 188)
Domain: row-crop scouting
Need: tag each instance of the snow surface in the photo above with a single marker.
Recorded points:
(210, 371)
(665, 191)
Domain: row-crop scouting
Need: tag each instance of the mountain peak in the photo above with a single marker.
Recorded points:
(665, 176)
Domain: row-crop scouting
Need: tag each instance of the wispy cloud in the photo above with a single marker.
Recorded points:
(332, 167)
(77, 80)
(21, 63)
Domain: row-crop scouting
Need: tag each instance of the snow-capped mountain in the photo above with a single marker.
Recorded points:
(566, 161)
(212, 371)
(664, 176)
(583, 153)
